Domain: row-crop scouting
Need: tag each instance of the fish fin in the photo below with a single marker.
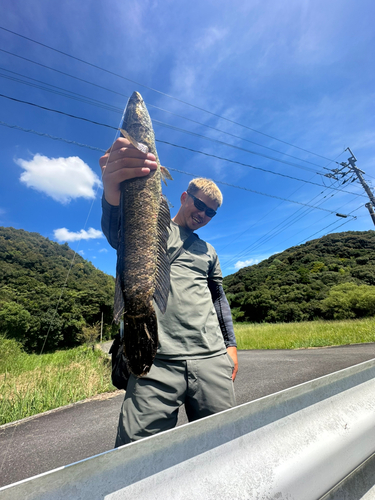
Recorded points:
(167, 201)
(140, 342)
(163, 267)
(119, 305)
(138, 145)
(165, 175)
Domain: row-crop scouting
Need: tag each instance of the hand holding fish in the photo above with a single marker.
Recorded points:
(123, 162)
(132, 177)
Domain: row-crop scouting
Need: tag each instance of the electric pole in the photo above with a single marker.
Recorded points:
(352, 167)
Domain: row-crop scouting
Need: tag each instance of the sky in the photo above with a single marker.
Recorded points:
(262, 96)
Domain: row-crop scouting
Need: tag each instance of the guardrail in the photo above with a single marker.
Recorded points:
(315, 440)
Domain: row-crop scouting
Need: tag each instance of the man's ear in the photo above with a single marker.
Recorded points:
(183, 197)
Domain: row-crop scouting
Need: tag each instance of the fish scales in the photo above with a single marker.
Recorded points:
(142, 261)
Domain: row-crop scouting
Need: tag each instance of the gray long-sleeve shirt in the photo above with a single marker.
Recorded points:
(197, 322)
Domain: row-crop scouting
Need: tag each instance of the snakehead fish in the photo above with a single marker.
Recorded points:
(142, 261)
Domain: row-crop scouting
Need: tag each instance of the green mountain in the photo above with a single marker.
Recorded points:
(47, 292)
(332, 277)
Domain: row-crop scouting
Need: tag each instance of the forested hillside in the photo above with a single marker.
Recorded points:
(33, 276)
(329, 278)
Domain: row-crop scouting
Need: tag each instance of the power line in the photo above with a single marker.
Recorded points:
(255, 168)
(257, 192)
(272, 233)
(266, 215)
(112, 108)
(307, 211)
(59, 91)
(169, 168)
(335, 222)
(64, 73)
(233, 146)
(159, 92)
(185, 173)
(81, 98)
(237, 137)
(346, 222)
(42, 134)
(59, 112)
(175, 145)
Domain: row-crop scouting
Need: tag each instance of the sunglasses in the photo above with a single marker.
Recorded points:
(202, 207)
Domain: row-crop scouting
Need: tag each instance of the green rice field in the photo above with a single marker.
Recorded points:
(304, 334)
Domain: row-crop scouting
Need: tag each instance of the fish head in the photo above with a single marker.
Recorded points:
(136, 98)
(137, 122)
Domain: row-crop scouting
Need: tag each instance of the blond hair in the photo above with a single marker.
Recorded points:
(208, 187)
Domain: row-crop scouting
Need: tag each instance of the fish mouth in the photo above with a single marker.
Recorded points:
(136, 96)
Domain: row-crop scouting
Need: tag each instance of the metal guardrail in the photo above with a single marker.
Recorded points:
(312, 441)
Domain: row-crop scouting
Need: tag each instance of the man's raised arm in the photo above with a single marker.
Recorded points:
(121, 162)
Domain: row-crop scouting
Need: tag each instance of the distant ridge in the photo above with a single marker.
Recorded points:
(332, 277)
(33, 271)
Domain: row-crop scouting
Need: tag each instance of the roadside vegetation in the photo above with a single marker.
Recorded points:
(49, 294)
(32, 383)
(331, 278)
(304, 334)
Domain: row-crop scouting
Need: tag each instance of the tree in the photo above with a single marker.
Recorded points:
(296, 284)
(14, 321)
(50, 300)
(90, 334)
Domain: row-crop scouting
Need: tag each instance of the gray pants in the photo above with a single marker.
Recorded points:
(152, 402)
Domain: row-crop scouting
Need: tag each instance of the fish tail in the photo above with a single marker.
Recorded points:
(140, 342)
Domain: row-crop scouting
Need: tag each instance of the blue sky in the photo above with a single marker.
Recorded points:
(283, 87)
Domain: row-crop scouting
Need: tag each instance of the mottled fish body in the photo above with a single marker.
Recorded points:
(142, 260)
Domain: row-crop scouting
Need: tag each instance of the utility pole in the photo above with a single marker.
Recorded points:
(352, 166)
(101, 330)
(371, 210)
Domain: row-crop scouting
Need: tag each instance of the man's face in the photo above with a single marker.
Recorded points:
(189, 216)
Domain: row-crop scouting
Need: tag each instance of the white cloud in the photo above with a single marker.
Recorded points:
(240, 263)
(81, 252)
(103, 250)
(63, 179)
(64, 234)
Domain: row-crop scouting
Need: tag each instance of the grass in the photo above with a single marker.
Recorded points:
(304, 334)
(32, 384)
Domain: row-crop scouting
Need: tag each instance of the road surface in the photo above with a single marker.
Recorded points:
(81, 430)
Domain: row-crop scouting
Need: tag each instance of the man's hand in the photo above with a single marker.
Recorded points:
(120, 163)
(232, 351)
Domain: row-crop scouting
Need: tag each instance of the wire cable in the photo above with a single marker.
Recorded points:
(81, 98)
(42, 134)
(346, 222)
(253, 167)
(256, 192)
(112, 108)
(159, 92)
(174, 145)
(174, 169)
(274, 232)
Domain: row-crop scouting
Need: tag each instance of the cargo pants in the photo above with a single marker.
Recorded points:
(152, 402)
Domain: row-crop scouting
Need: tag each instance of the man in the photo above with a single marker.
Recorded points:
(196, 361)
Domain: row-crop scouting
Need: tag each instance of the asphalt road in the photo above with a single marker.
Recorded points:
(78, 431)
